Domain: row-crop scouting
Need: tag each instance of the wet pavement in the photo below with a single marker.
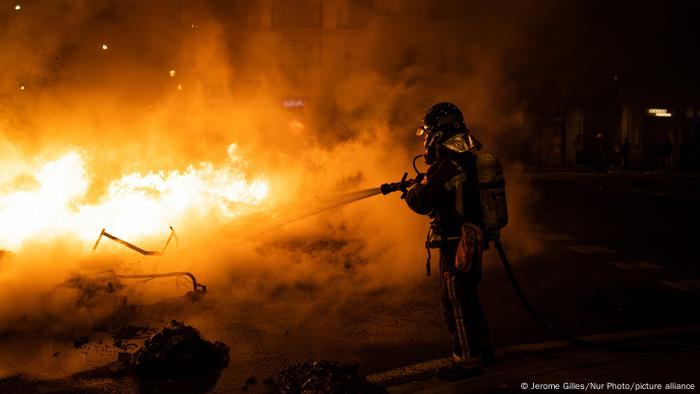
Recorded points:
(670, 365)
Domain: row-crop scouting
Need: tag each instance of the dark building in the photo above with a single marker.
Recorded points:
(662, 130)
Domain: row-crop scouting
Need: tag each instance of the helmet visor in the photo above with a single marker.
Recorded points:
(424, 130)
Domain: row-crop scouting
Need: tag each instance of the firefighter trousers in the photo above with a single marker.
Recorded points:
(462, 310)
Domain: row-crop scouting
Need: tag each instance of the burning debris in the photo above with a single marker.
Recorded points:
(197, 288)
(103, 297)
(323, 377)
(131, 246)
(178, 351)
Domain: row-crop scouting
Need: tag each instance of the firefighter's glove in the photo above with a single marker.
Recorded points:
(419, 178)
(405, 185)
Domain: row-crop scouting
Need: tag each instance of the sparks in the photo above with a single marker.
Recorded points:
(172, 73)
(21, 87)
(18, 7)
(179, 87)
(104, 47)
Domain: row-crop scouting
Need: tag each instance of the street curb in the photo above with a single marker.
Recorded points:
(426, 370)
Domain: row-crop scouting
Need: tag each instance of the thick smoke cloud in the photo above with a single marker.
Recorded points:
(127, 112)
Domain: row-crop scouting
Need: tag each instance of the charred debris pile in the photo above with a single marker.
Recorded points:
(179, 351)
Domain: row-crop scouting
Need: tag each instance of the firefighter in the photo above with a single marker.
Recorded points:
(449, 195)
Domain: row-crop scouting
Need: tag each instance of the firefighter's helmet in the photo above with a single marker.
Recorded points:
(443, 125)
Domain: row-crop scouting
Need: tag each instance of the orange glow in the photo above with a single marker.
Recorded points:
(296, 126)
(134, 205)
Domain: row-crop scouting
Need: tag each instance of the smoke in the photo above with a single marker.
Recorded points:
(161, 85)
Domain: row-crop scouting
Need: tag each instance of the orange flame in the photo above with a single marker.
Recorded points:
(135, 205)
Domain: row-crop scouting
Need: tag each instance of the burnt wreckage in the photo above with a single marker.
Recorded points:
(197, 287)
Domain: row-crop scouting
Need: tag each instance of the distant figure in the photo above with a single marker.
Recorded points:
(625, 151)
(578, 147)
(600, 152)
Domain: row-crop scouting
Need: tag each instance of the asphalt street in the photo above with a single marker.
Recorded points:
(617, 252)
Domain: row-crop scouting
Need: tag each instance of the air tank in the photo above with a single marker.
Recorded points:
(492, 191)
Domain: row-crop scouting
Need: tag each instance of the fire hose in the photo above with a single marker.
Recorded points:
(526, 303)
(615, 347)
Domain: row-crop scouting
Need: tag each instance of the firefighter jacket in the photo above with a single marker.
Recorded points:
(450, 195)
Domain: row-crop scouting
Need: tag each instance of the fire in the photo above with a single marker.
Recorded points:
(134, 205)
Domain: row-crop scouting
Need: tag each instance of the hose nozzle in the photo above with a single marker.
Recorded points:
(387, 188)
(402, 185)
